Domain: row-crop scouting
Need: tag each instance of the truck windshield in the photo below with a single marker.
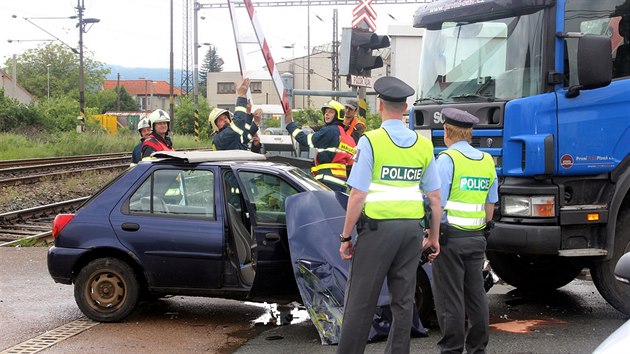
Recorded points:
(494, 60)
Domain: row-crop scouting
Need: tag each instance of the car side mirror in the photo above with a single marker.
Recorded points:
(622, 269)
(594, 62)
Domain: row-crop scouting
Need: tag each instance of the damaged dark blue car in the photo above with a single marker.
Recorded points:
(226, 224)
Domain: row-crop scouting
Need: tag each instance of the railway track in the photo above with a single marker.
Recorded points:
(16, 172)
(33, 224)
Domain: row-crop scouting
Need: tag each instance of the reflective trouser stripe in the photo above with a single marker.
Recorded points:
(466, 207)
(331, 179)
(338, 169)
(459, 221)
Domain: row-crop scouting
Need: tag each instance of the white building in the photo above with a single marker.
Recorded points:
(13, 90)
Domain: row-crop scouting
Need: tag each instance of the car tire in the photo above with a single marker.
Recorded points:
(424, 298)
(106, 290)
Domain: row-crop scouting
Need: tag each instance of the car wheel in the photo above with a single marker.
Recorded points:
(106, 290)
(424, 298)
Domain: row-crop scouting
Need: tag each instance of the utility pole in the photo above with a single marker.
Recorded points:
(196, 69)
(335, 54)
(118, 92)
(80, 8)
(171, 99)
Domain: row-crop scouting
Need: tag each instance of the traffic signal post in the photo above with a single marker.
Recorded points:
(357, 57)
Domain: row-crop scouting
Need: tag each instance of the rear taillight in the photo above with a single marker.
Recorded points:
(60, 222)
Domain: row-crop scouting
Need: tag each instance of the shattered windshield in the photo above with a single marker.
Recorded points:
(487, 61)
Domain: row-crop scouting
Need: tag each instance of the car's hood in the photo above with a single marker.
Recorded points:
(314, 221)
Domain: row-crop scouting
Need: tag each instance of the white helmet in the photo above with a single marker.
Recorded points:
(158, 116)
(143, 123)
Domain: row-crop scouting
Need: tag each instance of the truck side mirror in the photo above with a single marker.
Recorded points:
(594, 61)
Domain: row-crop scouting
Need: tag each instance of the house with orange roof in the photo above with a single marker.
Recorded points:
(150, 94)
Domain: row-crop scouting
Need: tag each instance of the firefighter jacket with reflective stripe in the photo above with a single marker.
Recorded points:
(335, 150)
(395, 189)
(466, 204)
(155, 142)
(239, 132)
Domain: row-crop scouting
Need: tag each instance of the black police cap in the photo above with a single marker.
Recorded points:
(392, 89)
(459, 118)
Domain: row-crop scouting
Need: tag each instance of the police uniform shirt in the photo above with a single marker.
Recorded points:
(361, 174)
(445, 168)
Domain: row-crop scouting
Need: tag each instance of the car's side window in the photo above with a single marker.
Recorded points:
(176, 192)
(267, 193)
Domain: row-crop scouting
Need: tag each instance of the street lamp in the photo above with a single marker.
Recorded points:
(48, 79)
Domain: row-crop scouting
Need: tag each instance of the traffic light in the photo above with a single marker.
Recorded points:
(356, 51)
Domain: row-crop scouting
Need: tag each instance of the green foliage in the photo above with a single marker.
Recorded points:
(212, 62)
(59, 114)
(34, 65)
(14, 113)
(105, 101)
(185, 116)
(308, 117)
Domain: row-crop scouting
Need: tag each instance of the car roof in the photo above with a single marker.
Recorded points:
(208, 156)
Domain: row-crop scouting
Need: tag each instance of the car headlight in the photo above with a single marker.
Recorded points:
(542, 206)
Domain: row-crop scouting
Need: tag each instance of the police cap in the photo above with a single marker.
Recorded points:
(392, 89)
(457, 117)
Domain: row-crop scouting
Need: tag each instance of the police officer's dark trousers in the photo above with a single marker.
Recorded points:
(459, 292)
(392, 250)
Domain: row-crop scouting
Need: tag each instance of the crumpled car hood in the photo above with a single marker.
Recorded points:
(314, 220)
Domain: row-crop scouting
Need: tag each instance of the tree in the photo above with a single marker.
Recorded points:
(212, 62)
(64, 71)
(105, 101)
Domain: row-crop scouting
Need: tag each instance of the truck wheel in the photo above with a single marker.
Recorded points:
(106, 290)
(533, 272)
(615, 292)
(424, 298)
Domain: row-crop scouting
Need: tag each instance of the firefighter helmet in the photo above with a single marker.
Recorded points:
(158, 116)
(215, 114)
(338, 107)
(143, 123)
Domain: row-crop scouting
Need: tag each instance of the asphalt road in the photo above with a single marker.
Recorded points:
(574, 319)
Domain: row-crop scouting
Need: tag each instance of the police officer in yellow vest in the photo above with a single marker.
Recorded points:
(392, 169)
(468, 193)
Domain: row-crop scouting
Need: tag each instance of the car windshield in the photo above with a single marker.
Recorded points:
(307, 181)
(482, 61)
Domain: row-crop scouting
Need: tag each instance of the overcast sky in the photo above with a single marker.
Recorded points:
(135, 33)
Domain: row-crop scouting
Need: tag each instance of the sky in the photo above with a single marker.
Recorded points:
(136, 33)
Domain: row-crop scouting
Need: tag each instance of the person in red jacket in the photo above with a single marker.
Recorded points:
(159, 139)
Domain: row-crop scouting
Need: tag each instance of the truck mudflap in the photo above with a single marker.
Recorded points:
(314, 220)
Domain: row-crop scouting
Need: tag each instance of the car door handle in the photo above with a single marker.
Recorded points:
(272, 237)
(130, 226)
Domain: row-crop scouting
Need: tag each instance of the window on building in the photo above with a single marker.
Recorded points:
(226, 87)
(256, 87)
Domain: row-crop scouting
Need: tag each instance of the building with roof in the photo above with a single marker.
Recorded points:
(13, 90)
(149, 94)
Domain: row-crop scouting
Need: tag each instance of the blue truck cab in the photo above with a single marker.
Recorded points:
(549, 81)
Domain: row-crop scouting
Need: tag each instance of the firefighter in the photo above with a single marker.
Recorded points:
(144, 129)
(158, 140)
(235, 131)
(468, 192)
(393, 167)
(335, 148)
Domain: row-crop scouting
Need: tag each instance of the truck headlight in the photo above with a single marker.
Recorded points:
(542, 206)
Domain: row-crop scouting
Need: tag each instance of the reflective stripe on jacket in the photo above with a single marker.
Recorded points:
(395, 189)
(466, 204)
